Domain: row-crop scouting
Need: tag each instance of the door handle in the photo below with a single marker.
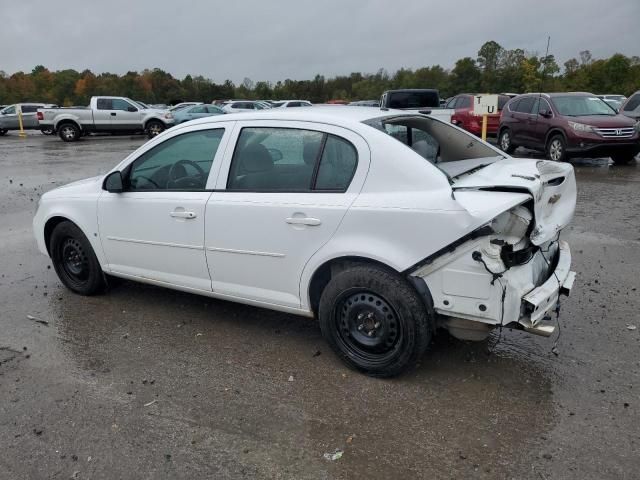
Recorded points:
(312, 222)
(183, 214)
(113, 114)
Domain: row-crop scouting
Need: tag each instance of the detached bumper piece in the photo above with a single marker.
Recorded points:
(541, 301)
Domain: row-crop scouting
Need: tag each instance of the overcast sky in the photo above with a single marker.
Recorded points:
(272, 40)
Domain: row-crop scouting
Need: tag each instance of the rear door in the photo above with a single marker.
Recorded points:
(29, 115)
(283, 190)
(522, 121)
(539, 133)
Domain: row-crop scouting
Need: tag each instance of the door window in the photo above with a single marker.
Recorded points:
(119, 104)
(105, 104)
(29, 108)
(200, 109)
(290, 160)
(633, 103)
(452, 103)
(464, 102)
(525, 105)
(179, 163)
(9, 110)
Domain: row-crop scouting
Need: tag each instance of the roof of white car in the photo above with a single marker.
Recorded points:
(322, 114)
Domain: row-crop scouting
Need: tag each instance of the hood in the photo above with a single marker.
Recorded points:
(551, 185)
(604, 121)
(88, 185)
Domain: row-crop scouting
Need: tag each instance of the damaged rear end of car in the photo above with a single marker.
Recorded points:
(510, 271)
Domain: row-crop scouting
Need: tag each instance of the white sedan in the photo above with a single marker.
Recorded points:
(385, 225)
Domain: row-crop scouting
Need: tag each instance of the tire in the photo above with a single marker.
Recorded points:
(374, 320)
(69, 132)
(623, 158)
(556, 148)
(74, 260)
(47, 131)
(505, 141)
(3, 131)
(155, 128)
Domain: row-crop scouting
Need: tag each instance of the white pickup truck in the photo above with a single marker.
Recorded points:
(104, 114)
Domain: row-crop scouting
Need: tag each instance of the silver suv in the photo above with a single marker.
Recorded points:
(9, 118)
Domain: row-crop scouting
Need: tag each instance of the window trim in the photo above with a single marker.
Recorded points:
(312, 186)
(126, 171)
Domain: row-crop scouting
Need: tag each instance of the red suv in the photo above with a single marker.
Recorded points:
(568, 124)
(465, 118)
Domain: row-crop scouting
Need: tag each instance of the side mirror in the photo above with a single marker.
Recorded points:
(132, 109)
(113, 183)
(545, 113)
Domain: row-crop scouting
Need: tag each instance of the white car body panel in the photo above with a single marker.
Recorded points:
(399, 210)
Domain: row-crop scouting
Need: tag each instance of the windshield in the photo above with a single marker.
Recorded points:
(438, 142)
(577, 106)
(141, 105)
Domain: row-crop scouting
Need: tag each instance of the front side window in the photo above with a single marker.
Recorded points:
(464, 102)
(179, 163)
(9, 110)
(119, 104)
(290, 160)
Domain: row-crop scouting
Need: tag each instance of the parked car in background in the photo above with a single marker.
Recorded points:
(196, 111)
(183, 105)
(159, 106)
(564, 125)
(365, 103)
(615, 104)
(631, 107)
(9, 118)
(425, 100)
(292, 103)
(616, 97)
(104, 114)
(383, 225)
(242, 106)
(464, 117)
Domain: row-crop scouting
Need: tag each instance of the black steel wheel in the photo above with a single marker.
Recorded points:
(74, 260)
(374, 320)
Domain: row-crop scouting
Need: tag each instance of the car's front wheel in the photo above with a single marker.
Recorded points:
(556, 149)
(155, 128)
(374, 320)
(505, 141)
(74, 260)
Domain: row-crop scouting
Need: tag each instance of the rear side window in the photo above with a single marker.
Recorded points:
(291, 160)
(633, 103)
(105, 104)
(414, 100)
(464, 102)
(525, 105)
(29, 108)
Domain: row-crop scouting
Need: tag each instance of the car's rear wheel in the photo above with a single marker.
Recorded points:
(155, 128)
(374, 320)
(69, 132)
(74, 260)
(46, 131)
(622, 158)
(505, 142)
(3, 131)
(556, 149)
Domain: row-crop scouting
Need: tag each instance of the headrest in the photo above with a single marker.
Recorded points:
(255, 158)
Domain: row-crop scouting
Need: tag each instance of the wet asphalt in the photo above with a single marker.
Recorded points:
(149, 383)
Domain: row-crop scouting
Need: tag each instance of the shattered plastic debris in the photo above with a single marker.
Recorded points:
(37, 320)
(291, 378)
(631, 327)
(337, 455)
(150, 403)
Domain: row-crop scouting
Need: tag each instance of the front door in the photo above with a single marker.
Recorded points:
(282, 193)
(127, 116)
(155, 228)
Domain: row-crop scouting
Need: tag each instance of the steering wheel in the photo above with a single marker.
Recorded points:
(174, 172)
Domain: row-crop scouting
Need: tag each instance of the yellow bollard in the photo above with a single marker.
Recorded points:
(484, 128)
(22, 133)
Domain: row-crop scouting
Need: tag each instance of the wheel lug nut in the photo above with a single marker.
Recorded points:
(371, 333)
(376, 325)
(360, 316)
(360, 327)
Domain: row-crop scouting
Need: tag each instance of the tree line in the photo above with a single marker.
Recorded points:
(493, 70)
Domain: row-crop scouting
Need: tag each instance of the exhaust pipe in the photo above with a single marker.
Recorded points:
(543, 330)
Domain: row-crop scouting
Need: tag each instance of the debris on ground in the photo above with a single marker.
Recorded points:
(336, 455)
(317, 354)
(631, 327)
(150, 403)
(291, 378)
(37, 320)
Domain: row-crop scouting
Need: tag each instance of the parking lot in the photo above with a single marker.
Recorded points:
(173, 385)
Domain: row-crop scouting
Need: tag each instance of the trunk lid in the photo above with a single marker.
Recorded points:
(552, 186)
